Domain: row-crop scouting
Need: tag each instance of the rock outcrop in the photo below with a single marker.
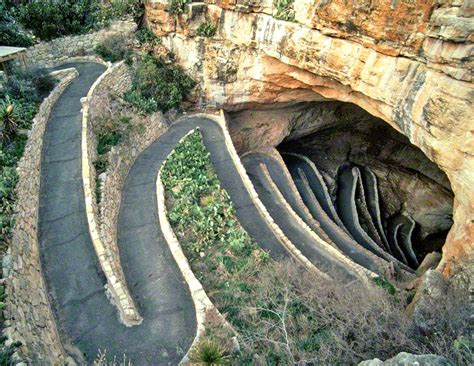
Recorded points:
(406, 62)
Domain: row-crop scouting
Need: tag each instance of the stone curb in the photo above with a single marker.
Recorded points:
(201, 301)
(222, 121)
(32, 160)
(120, 295)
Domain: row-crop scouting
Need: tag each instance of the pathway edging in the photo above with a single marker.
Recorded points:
(120, 295)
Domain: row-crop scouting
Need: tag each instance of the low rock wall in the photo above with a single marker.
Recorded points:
(28, 316)
(66, 49)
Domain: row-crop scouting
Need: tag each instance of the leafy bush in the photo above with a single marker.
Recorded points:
(28, 84)
(176, 7)
(206, 29)
(158, 86)
(284, 10)
(114, 48)
(146, 36)
(11, 34)
(49, 19)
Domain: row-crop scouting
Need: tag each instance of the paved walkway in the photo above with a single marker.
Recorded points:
(86, 319)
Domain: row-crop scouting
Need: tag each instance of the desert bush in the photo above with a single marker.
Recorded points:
(115, 48)
(158, 86)
(208, 352)
(49, 19)
(206, 29)
(120, 9)
(146, 36)
(176, 7)
(8, 120)
(28, 84)
(283, 9)
(11, 33)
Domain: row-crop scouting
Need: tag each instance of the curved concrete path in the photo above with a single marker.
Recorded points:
(86, 319)
(348, 183)
(298, 165)
(277, 208)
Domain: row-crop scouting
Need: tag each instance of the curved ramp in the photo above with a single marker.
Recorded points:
(348, 181)
(316, 183)
(369, 181)
(343, 241)
(86, 319)
(403, 237)
(267, 190)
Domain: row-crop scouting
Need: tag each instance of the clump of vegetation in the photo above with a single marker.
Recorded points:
(49, 19)
(115, 48)
(208, 352)
(157, 86)
(19, 102)
(206, 29)
(110, 132)
(11, 33)
(282, 313)
(176, 7)
(146, 37)
(284, 10)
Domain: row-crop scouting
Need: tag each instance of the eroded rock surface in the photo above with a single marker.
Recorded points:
(406, 62)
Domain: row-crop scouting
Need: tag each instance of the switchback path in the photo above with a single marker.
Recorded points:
(86, 319)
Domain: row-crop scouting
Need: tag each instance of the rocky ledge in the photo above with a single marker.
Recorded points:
(406, 62)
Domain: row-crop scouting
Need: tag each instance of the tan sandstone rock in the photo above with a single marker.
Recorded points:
(406, 62)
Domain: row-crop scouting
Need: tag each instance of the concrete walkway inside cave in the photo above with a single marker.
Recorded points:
(86, 319)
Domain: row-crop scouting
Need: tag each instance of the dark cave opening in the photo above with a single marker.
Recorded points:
(336, 136)
(409, 184)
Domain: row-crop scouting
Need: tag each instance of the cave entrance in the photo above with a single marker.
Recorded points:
(414, 196)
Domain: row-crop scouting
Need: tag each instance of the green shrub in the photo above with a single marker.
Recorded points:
(11, 34)
(28, 84)
(114, 48)
(8, 120)
(107, 140)
(158, 86)
(49, 19)
(120, 9)
(146, 36)
(206, 29)
(176, 7)
(284, 10)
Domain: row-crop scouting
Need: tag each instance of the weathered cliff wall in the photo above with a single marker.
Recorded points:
(407, 62)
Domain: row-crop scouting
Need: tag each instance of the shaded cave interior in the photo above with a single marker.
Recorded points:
(334, 135)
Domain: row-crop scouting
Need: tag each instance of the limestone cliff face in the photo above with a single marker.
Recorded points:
(408, 62)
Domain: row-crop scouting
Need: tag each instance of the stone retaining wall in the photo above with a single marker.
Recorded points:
(28, 316)
(65, 49)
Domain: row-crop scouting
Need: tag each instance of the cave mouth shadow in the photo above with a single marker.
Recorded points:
(409, 184)
(334, 135)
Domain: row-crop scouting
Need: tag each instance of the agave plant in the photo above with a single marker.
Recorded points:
(209, 352)
(8, 118)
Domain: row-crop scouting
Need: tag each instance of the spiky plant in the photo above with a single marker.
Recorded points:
(8, 118)
(209, 352)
